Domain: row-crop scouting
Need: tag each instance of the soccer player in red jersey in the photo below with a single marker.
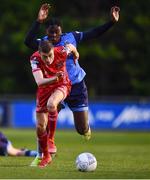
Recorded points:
(49, 71)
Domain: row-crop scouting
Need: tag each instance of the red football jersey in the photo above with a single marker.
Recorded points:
(59, 64)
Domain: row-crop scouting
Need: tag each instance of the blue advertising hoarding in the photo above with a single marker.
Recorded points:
(101, 115)
(23, 114)
(4, 114)
(1, 114)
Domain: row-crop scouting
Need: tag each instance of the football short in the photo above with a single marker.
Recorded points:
(3, 144)
(77, 100)
(44, 94)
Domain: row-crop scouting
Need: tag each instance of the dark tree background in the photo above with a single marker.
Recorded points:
(117, 63)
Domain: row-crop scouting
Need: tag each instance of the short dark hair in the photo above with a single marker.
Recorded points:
(53, 22)
(45, 46)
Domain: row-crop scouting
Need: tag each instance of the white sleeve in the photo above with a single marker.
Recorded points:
(34, 64)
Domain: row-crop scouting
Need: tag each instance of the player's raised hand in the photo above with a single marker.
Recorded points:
(43, 12)
(115, 13)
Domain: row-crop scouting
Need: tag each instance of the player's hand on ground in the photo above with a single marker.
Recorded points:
(115, 13)
(59, 75)
(43, 12)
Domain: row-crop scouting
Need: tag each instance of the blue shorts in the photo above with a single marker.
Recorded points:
(3, 145)
(78, 98)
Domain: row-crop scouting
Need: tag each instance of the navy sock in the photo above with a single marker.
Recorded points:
(30, 153)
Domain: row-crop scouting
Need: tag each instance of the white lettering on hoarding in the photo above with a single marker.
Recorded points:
(91, 117)
(105, 115)
(66, 116)
(132, 114)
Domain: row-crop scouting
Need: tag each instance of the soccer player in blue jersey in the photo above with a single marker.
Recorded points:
(78, 98)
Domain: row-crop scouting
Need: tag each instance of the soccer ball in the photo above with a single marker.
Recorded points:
(86, 162)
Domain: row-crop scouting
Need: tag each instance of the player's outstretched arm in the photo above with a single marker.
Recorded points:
(43, 12)
(99, 30)
(31, 37)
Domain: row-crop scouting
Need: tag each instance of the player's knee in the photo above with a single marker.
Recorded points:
(41, 128)
(51, 107)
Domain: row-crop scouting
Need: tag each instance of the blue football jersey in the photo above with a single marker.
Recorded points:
(75, 72)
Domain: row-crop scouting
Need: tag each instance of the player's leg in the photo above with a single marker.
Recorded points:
(42, 136)
(38, 158)
(6, 148)
(82, 123)
(41, 106)
(42, 99)
(28, 152)
(12, 151)
(78, 103)
(3, 144)
(58, 95)
(3, 148)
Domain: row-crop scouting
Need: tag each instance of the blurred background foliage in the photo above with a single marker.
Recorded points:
(117, 63)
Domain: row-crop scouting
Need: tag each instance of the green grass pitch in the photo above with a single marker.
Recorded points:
(120, 155)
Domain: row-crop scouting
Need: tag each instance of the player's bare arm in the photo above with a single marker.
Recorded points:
(115, 13)
(43, 12)
(40, 80)
(73, 50)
